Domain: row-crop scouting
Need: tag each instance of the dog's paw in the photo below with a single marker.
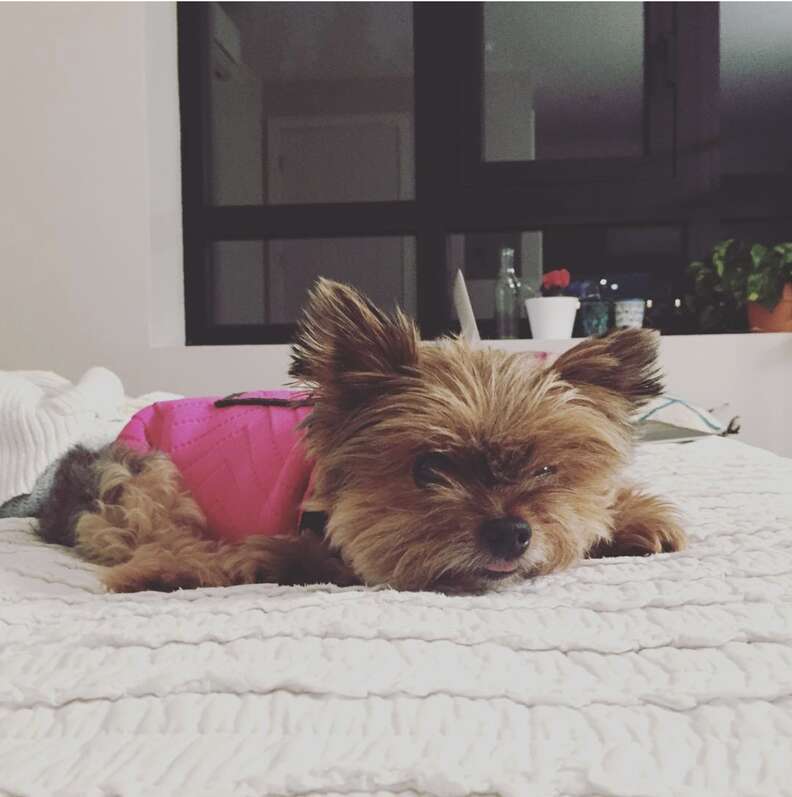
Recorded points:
(643, 525)
(300, 560)
(641, 540)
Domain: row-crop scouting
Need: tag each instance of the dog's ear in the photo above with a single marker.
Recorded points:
(346, 347)
(623, 362)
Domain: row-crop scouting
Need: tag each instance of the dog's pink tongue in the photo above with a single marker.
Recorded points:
(501, 567)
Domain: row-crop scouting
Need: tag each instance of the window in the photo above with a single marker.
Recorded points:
(265, 282)
(546, 97)
(385, 144)
(310, 103)
(755, 115)
(756, 87)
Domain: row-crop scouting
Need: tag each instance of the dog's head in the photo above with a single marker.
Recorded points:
(443, 466)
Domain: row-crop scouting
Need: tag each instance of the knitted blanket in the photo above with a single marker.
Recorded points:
(665, 675)
(42, 415)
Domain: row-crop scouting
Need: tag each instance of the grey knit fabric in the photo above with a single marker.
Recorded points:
(30, 504)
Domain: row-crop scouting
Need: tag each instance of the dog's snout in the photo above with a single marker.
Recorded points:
(506, 538)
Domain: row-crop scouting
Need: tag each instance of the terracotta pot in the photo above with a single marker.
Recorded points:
(779, 319)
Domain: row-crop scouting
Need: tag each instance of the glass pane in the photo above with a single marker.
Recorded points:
(310, 102)
(758, 231)
(266, 282)
(756, 87)
(611, 263)
(563, 80)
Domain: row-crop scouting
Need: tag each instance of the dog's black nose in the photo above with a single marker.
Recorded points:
(505, 537)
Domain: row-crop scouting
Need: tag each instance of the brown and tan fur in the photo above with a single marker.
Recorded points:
(545, 444)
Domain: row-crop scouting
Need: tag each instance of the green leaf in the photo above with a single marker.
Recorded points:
(765, 286)
(706, 283)
(736, 266)
(719, 255)
(734, 277)
(758, 253)
(755, 286)
(785, 250)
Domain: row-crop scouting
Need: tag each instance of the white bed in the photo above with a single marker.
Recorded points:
(656, 676)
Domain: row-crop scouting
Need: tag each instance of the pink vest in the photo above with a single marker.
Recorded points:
(245, 465)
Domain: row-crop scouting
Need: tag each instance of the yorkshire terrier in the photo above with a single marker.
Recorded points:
(420, 466)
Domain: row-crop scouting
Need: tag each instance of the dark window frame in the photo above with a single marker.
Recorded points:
(678, 182)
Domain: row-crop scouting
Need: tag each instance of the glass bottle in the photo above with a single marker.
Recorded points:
(507, 297)
(594, 311)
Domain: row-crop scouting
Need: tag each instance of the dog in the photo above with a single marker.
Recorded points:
(433, 466)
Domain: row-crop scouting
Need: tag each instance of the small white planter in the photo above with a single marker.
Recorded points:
(552, 317)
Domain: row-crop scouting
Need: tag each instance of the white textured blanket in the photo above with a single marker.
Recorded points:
(42, 415)
(670, 675)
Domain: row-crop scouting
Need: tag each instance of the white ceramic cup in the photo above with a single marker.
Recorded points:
(629, 312)
(552, 317)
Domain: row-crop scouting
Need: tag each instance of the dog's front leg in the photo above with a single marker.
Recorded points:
(642, 524)
(292, 560)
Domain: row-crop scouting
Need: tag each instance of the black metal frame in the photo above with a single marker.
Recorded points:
(192, 62)
(676, 182)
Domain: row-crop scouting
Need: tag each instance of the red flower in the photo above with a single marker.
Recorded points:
(556, 279)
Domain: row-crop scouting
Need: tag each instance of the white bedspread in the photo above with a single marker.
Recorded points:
(43, 414)
(669, 675)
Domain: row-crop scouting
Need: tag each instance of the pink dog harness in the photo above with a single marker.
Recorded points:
(242, 457)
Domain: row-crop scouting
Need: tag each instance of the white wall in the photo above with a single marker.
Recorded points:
(90, 208)
(752, 374)
(90, 252)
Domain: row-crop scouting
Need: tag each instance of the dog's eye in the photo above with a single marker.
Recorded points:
(430, 468)
(545, 470)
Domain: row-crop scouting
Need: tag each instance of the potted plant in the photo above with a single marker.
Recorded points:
(552, 315)
(743, 285)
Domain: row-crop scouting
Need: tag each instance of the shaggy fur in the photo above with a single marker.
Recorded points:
(418, 447)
